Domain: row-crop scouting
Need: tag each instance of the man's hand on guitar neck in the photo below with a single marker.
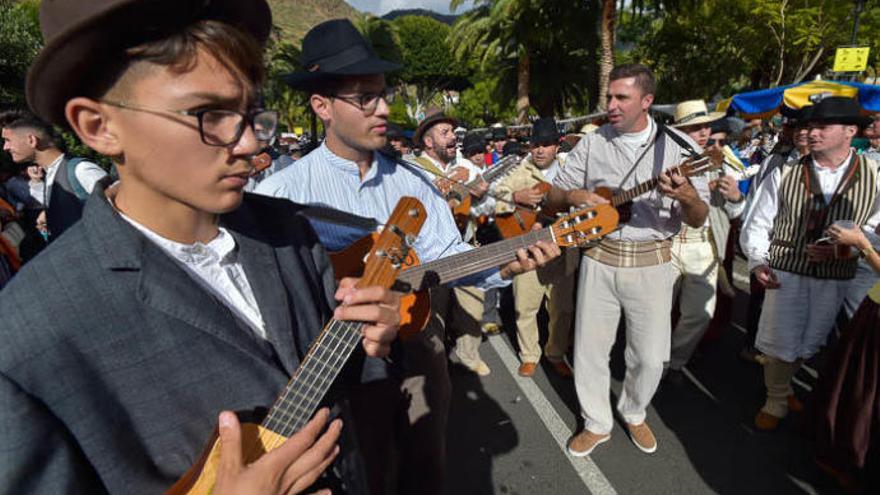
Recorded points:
(289, 469)
(676, 186)
(377, 307)
(529, 197)
(538, 255)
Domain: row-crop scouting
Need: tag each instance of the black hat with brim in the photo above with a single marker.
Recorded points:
(333, 49)
(85, 35)
(429, 122)
(835, 110)
(472, 144)
(544, 130)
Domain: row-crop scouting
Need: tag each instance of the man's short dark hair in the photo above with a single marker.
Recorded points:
(642, 74)
(20, 119)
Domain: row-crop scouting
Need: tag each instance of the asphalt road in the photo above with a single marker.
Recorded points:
(507, 433)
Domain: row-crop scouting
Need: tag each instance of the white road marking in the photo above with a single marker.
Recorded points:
(587, 470)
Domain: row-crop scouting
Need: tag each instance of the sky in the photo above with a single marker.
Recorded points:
(382, 7)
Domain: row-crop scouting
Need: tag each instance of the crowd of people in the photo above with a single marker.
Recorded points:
(186, 286)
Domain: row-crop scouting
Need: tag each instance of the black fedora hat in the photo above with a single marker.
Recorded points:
(544, 130)
(499, 133)
(473, 143)
(835, 110)
(430, 121)
(335, 48)
(83, 35)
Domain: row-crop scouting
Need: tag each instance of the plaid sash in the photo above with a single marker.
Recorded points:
(631, 254)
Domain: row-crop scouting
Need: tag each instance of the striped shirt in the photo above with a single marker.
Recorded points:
(323, 178)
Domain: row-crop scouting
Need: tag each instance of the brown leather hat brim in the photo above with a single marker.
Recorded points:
(431, 122)
(68, 60)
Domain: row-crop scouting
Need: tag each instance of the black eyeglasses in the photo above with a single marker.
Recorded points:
(721, 142)
(365, 102)
(219, 127)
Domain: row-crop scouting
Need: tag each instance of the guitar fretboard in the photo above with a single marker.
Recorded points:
(304, 392)
(500, 168)
(687, 169)
(460, 265)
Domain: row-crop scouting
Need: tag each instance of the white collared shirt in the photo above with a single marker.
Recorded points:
(216, 268)
(757, 229)
(87, 174)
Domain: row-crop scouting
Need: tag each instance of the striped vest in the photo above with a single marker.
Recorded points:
(803, 216)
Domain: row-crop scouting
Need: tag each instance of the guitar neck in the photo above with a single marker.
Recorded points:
(499, 170)
(305, 391)
(457, 266)
(633, 193)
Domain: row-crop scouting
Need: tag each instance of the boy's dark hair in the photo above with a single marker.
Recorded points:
(20, 119)
(237, 50)
(642, 74)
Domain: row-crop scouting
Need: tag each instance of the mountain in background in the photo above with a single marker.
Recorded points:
(446, 19)
(296, 17)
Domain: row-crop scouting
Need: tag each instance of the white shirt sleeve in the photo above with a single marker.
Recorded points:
(88, 174)
(37, 190)
(870, 227)
(757, 226)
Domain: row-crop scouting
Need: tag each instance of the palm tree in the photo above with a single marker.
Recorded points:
(514, 37)
(606, 30)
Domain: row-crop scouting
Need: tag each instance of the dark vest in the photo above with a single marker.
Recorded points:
(803, 216)
(65, 208)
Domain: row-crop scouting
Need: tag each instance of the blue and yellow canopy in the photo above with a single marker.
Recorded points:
(766, 102)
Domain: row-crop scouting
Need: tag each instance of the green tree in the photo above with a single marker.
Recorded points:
(478, 108)
(283, 58)
(429, 68)
(20, 41)
(719, 47)
(539, 49)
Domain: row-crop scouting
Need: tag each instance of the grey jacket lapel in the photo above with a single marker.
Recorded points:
(162, 285)
(261, 267)
(166, 287)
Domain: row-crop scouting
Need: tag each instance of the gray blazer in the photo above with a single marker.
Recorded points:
(114, 363)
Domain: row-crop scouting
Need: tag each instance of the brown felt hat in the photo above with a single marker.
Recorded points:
(82, 35)
(433, 118)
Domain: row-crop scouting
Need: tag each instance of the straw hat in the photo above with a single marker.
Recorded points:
(693, 112)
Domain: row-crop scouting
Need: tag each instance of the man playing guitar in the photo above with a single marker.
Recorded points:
(629, 271)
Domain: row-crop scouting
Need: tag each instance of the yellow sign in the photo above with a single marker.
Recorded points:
(298, 131)
(851, 59)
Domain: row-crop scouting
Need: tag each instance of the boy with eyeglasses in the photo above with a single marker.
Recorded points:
(176, 296)
(405, 412)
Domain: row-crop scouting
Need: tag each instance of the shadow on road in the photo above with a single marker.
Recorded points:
(714, 426)
(479, 431)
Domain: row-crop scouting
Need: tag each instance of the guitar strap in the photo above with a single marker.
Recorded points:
(678, 140)
(658, 164)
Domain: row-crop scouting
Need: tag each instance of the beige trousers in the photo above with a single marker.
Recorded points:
(460, 311)
(644, 297)
(529, 291)
(697, 269)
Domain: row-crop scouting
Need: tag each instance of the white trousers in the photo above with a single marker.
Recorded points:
(798, 316)
(644, 297)
(697, 271)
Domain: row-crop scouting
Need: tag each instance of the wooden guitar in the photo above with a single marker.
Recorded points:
(693, 166)
(326, 357)
(521, 220)
(575, 229)
(460, 194)
(260, 162)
